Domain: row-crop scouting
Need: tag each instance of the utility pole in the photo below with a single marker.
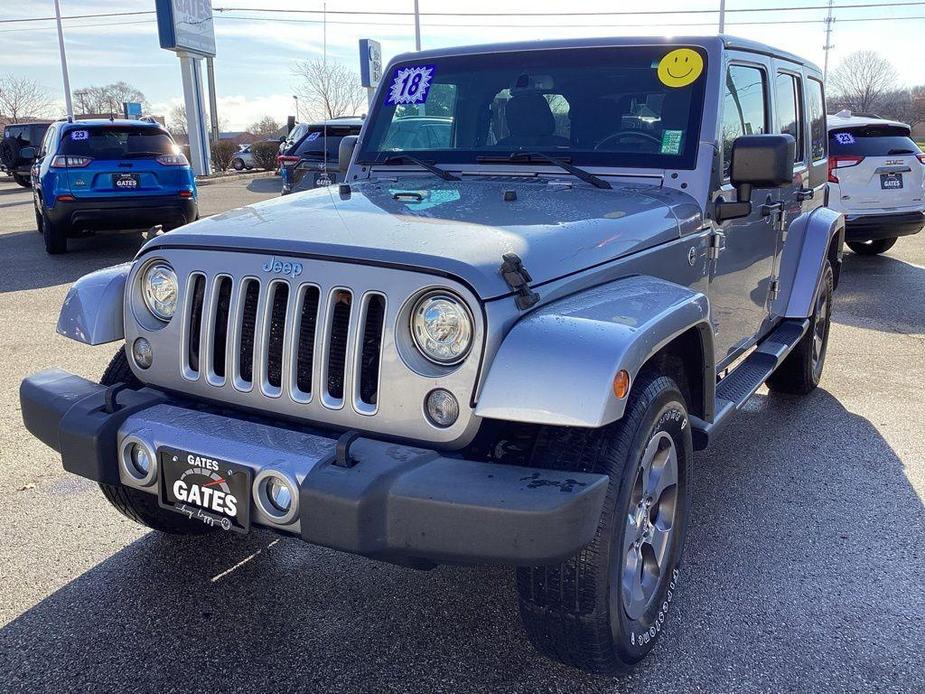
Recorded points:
(67, 83)
(417, 27)
(829, 20)
(722, 15)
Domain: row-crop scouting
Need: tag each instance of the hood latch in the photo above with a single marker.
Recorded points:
(518, 279)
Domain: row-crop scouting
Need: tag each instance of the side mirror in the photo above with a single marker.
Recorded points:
(758, 161)
(345, 152)
(27, 153)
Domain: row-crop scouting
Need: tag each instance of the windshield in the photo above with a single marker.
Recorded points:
(313, 145)
(634, 106)
(117, 142)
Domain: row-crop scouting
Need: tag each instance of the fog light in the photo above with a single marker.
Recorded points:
(143, 353)
(279, 495)
(140, 460)
(442, 408)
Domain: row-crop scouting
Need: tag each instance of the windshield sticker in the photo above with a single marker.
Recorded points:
(410, 85)
(313, 136)
(680, 68)
(80, 135)
(844, 138)
(671, 141)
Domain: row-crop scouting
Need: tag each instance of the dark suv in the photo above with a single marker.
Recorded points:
(16, 137)
(313, 158)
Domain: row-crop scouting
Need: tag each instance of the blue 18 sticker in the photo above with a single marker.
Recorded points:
(410, 85)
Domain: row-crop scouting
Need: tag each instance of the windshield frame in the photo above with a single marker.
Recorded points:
(686, 160)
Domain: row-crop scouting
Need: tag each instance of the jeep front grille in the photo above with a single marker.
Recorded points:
(270, 336)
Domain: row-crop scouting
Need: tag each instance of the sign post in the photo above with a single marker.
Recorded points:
(185, 27)
(370, 67)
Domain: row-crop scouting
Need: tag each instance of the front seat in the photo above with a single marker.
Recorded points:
(530, 123)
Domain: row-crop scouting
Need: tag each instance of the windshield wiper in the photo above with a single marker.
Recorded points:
(900, 151)
(435, 170)
(585, 176)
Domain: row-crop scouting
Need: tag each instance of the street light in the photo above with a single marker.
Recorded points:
(295, 96)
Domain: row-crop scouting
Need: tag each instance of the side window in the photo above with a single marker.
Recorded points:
(46, 142)
(817, 129)
(789, 116)
(744, 107)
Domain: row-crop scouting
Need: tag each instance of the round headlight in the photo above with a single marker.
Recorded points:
(442, 328)
(160, 292)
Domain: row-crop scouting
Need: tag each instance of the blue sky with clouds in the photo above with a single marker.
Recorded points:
(256, 50)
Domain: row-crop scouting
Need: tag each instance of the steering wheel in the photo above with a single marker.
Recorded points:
(628, 133)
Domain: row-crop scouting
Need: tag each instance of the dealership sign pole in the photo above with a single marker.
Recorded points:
(370, 67)
(185, 27)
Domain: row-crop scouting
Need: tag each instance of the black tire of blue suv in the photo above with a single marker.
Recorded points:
(54, 235)
(871, 247)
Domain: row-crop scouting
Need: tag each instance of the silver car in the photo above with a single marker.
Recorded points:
(500, 342)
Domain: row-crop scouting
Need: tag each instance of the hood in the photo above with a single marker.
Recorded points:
(454, 228)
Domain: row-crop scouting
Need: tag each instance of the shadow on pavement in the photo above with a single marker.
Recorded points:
(796, 577)
(881, 293)
(25, 265)
(266, 184)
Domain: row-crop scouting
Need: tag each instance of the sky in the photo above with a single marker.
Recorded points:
(256, 50)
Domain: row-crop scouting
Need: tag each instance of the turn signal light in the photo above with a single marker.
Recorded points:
(69, 161)
(841, 162)
(621, 384)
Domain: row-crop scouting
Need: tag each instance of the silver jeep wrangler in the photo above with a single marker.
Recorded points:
(552, 272)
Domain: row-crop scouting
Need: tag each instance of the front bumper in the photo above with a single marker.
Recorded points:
(127, 212)
(379, 499)
(873, 227)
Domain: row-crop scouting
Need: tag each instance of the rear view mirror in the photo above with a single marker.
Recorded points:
(27, 153)
(345, 152)
(757, 161)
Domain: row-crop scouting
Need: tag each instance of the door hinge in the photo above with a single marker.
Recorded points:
(518, 279)
(774, 290)
(717, 244)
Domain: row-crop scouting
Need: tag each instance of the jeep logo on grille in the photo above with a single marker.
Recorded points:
(283, 267)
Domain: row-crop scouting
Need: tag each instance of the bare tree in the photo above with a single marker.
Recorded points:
(265, 127)
(22, 98)
(176, 120)
(862, 81)
(107, 98)
(329, 89)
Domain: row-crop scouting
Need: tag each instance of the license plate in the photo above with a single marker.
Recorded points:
(125, 181)
(891, 181)
(204, 488)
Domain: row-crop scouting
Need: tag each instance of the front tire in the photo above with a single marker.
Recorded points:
(135, 505)
(872, 247)
(801, 371)
(24, 181)
(237, 164)
(604, 609)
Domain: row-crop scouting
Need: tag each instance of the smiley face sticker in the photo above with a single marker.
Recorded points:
(680, 67)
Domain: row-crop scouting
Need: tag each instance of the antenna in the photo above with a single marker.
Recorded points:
(324, 125)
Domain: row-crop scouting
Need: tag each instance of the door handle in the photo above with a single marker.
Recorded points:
(804, 194)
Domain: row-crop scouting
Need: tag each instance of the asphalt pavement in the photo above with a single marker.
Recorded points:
(804, 568)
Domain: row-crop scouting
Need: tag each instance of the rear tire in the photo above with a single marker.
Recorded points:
(237, 164)
(587, 611)
(871, 247)
(135, 505)
(801, 371)
(55, 236)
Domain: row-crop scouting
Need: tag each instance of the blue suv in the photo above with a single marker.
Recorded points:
(95, 175)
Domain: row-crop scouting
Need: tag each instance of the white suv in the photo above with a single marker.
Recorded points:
(877, 179)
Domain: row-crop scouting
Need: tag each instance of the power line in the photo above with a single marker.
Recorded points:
(396, 13)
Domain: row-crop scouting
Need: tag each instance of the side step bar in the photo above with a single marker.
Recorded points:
(733, 391)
